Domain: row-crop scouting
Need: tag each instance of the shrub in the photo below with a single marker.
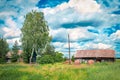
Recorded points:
(73, 59)
(14, 57)
(45, 59)
(2, 60)
(58, 57)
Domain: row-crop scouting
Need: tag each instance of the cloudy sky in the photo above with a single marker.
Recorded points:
(92, 24)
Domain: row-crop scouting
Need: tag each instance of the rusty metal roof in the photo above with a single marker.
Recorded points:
(95, 53)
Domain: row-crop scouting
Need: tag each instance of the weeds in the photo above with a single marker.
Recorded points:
(98, 71)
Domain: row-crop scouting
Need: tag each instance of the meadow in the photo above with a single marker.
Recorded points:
(60, 71)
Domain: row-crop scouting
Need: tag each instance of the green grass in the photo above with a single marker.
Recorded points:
(59, 71)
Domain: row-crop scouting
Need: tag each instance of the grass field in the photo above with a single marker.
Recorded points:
(59, 71)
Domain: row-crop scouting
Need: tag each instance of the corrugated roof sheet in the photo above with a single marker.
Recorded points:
(95, 53)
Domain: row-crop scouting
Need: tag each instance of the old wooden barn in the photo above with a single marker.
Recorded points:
(96, 55)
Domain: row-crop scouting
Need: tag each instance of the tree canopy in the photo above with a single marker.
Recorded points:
(15, 49)
(4, 48)
(35, 34)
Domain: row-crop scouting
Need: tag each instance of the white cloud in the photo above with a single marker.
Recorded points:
(73, 11)
(81, 34)
(74, 45)
(59, 34)
(92, 45)
(116, 35)
(104, 46)
(12, 41)
(85, 6)
(58, 44)
(56, 9)
(76, 34)
(11, 30)
(7, 14)
(81, 6)
(11, 23)
(77, 11)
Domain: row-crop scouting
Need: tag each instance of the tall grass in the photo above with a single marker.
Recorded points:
(59, 71)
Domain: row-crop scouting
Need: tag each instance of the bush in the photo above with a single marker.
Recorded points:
(2, 60)
(14, 57)
(65, 58)
(45, 59)
(26, 57)
(58, 57)
(73, 59)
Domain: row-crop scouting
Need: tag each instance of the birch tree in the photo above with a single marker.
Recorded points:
(35, 34)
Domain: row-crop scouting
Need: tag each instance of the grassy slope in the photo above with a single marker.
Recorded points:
(98, 71)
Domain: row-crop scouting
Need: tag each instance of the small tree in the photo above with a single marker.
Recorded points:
(58, 57)
(49, 50)
(4, 48)
(65, 58)
(73, 59)
(15, 49)
(46, 59)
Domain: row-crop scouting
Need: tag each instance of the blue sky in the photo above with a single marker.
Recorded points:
(92, 24)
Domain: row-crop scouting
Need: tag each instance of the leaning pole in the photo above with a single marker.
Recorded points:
(69, 48)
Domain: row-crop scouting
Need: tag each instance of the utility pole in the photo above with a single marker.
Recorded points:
(69, 48)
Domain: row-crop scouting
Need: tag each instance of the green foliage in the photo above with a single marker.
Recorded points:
(58, 57)
(26, 57)
(59, 71)
(4, 48)
(49, 50)
(14, 57)
(15, 49)
(2, 60)
(65, 58)
(73, 58)
(35, 34)
(46, 59)
(50, 58)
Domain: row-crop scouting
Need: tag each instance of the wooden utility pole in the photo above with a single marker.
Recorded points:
(69, 48)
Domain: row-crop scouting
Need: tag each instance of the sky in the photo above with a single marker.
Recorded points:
(91, 24)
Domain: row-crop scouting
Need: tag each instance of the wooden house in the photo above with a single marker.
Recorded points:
(9, 56)
(96, 55)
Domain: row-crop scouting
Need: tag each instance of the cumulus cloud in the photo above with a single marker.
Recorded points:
(12, 13)
(16, 8)
(76, 34)
(110, 6)
(58, 44)
(85, 6)
(98, 46)
(11, 29)
(79, 34)
(79, 11)
(116, 35)
(82, 6)
(12, 41)
(59, 35)
(5, 13)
